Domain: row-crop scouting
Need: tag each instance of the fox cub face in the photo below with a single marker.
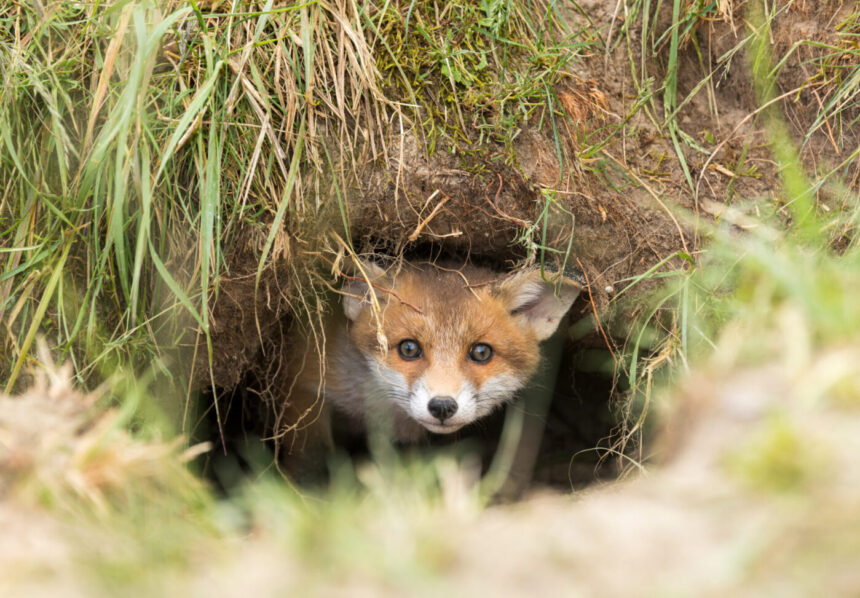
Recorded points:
(449, 346)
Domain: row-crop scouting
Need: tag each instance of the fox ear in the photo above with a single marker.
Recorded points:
(535, 301)
(356, 288)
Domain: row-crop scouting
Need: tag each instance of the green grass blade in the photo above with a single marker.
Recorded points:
(36, 321)
(195, 109)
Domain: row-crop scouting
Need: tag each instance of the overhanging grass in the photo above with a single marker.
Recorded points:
(136, 142)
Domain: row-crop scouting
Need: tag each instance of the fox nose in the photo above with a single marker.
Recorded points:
(442, 407)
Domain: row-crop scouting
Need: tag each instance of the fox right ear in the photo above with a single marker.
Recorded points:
(357, 287)
(538, 303)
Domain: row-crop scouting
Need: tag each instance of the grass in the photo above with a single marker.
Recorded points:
(475, 73)
(140, 146)
(125, 139)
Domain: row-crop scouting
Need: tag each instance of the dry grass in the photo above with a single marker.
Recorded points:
(62, 448)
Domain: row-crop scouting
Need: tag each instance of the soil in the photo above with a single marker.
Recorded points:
(632, 203)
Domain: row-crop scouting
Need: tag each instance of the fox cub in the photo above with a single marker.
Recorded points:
(425, 349)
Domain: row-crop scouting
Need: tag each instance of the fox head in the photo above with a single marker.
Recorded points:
(449, 346)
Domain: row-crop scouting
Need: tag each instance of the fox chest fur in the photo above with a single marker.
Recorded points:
(428, 349)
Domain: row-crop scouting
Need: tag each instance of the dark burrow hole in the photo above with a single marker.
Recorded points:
(579, 426)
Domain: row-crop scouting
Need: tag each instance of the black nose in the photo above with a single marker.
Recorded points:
(442, 407)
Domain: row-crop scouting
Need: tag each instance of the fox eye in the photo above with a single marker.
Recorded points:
(481, 353)
(409, 349)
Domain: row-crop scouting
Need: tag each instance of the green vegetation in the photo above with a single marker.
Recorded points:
(138, 141)
(473, 73)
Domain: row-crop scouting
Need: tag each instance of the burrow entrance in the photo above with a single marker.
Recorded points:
(451, 208)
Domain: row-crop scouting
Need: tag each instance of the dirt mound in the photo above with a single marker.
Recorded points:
(614, 170)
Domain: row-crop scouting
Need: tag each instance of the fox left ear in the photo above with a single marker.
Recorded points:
(356, 290)
(538, 303)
